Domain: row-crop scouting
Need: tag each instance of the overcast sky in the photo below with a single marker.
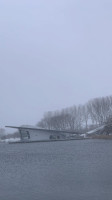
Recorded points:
(53, 54)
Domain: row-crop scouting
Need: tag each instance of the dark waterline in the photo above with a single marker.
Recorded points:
(73, 170)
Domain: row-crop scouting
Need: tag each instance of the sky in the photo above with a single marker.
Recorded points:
(53, 55)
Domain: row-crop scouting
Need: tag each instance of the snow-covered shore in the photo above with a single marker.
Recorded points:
(10, 140)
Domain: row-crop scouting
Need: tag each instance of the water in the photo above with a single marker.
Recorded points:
(71, 170)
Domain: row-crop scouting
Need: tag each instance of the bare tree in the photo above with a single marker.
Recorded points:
(85, 114)
(76, 117)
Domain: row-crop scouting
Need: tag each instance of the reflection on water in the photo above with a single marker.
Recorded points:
(71, 170)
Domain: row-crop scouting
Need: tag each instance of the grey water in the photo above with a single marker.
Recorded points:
(69, 170)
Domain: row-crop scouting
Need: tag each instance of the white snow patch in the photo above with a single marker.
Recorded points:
(83, 135)
(10, 140)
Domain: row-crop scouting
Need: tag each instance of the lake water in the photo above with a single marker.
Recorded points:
(69, 170)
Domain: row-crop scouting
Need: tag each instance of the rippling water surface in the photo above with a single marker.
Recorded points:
(71, 170)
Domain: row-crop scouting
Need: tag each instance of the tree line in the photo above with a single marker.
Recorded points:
(79, 118)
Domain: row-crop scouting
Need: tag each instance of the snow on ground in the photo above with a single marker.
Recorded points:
(10, 140)
(83, 135)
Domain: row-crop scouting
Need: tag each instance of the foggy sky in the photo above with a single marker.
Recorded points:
(53, 54)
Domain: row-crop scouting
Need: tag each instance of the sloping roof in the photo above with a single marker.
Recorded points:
(41, 129)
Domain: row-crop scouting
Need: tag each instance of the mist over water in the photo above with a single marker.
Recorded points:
(56, 171)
